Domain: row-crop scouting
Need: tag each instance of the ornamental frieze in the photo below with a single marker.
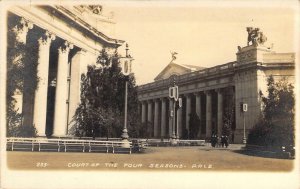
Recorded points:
(247, 56)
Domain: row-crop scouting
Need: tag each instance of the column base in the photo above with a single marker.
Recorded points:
(174, 141)
(124, 134)
(126, 143)
(244, 141)
(59, 136)
(41, 135)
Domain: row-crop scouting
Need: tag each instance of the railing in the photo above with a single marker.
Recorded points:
(168, 142)
(86, 138)
(192, 142)
(74, 145)
(66, 145)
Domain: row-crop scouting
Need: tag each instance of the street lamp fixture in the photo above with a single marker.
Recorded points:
(179, 106)
(174, 95)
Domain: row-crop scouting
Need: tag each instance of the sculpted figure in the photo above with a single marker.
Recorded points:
(255, 36)
(97, 9)
(174, 55)
(262, 38)
(249, 30)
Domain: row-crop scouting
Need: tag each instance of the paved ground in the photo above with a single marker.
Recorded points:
(155, 158)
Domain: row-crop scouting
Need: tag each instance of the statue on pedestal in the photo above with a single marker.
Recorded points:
(255, 36)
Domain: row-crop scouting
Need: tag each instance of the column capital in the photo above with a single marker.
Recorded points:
(23, 25)
(149, 100)
(46, 38)
(187, 95)
(197, 93)
(65, 47)
(207, 92)
(80, 51)
(163, 98)
(21, 29)
(220, 90)
(156, 100)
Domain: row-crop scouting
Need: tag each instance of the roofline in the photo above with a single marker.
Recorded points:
(169, 65)
(87, 26)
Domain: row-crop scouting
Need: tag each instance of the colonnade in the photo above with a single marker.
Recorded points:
(157, 114)
(69, 70)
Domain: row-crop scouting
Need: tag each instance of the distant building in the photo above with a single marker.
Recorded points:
(214, 93)
(68, 40)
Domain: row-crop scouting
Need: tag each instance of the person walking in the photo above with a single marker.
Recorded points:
(226, 141)
(213, 140)
(222, 141)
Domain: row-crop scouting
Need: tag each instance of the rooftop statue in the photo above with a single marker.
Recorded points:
(173, 56)
(255, 36)
(96, 9)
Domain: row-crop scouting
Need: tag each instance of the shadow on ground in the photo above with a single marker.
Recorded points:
(263, 154)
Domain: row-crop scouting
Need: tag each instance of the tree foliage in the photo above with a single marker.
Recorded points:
(102, 100)
(276, 126)
(228, 120)
(21, 78)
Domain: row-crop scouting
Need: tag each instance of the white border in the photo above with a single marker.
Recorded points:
(166, 179)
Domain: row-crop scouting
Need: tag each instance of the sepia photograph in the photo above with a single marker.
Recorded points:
(149, 94)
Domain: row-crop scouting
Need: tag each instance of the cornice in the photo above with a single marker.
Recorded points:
(213, 73)
(87, 26)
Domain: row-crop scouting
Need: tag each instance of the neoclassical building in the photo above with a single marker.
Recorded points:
(68, 39)
(214, 94)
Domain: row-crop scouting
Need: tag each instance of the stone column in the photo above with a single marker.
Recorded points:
(208, 114)
(149, 118)
(171, 109)
(188, 112)
(220, 111)
(156, 117)
(198, 110)
(143, 112)
(163, 117)
(77, 63)
(40, 100)
(20, 30)
(60, 111)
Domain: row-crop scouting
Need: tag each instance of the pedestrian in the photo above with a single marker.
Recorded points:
(213, 140)
(226, 142)
(222, 141)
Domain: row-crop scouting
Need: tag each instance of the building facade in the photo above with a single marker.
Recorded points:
(214, 95)
(67, 39)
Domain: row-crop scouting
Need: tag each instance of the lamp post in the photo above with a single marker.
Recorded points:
(125, 63)
(179, 106)
(244, 110)
(126, 70)
(173, 94)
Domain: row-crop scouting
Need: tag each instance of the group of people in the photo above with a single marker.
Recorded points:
(219, 141)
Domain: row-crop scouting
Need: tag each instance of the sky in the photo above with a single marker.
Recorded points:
(205, 35)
